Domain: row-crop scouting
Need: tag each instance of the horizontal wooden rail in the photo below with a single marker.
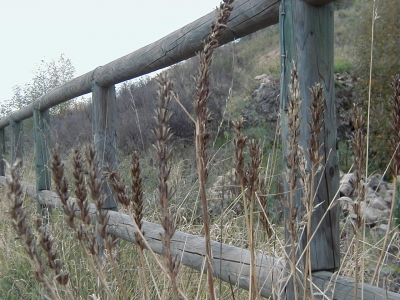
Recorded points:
(233, 262)
(318, 2)
(247, 17)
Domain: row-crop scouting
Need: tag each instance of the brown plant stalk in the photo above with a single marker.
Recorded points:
(136, 200)
(253, 181)
(47, 241)
(359, 146)
(264, 214)
(316, 125)
(20, 224)
(203, 120)
(249, 182)
(292, 176)
(82, 232)
(163, 135)
(95, 182)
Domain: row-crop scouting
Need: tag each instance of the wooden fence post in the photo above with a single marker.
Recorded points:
(2, 151)
(306, 41)
(42, 156)
(104, 122)
(16, 142)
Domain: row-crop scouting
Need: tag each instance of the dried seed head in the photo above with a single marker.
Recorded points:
(252, 171)
(316, 124)
(239, 143)
(80, 187)
(118, 186)
(163, 135)
(46, 240)
(137, 196)
(395, 124)
(95, 178)
(59, 178)
(294, 120)
(62, 188)
(359, 147)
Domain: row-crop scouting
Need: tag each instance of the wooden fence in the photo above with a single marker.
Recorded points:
(306, 29)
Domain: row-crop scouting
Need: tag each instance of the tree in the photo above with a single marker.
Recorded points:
(46, 77)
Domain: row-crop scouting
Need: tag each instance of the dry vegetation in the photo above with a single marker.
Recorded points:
(63, 259)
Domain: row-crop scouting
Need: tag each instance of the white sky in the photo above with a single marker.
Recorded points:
(89, 32)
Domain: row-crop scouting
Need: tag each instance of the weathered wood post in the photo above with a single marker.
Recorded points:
(16, 141)
(105, 135)
(2, 151)
(42, 156)
(306, 41)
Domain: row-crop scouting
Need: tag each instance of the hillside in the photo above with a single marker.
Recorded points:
(245, 81)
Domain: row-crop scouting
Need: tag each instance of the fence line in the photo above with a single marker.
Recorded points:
(248, 16)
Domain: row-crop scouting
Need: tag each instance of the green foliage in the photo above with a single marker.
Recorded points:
(385, 64)
(345, 155)
(342, 65)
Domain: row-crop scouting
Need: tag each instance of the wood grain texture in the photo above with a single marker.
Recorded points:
(41, 133)
(307, 42)
(247, 17)
(42, 149)
(234, 261)
(318, 2)
(105, 133)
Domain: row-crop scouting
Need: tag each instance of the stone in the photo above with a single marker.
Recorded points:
(379, 230)
(347, 184)
(263, 78)
(378, 203)
(372, 215)
(374, 181)
(388, 197)
(346, 205)
(382, 188)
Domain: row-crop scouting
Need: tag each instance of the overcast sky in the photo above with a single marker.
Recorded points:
(89, 32)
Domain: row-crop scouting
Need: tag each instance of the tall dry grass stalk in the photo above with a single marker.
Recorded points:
(83, 232)
(359, 148)
(394, 167)
(136, 201)
(374, 18)
(203, 119)
(292, 175)
(253, 188)
(250, 186)
(28, 239)
(308, 180)
(264, 214)
(163, 150)
(103, 239)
